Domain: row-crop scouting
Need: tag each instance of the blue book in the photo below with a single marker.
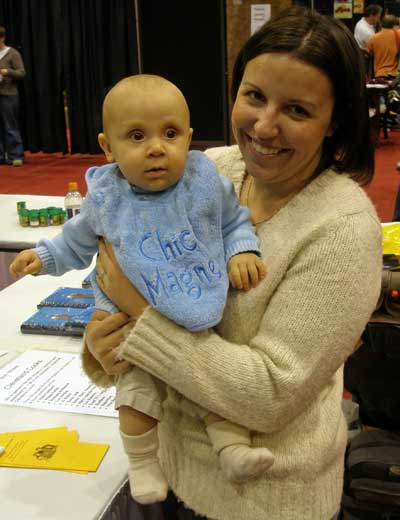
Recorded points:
(86, 281)
(69, 297)
(58, 321)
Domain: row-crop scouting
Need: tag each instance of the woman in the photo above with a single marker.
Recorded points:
(274, 363)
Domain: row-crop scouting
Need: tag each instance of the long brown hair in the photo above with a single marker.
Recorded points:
(329, 46)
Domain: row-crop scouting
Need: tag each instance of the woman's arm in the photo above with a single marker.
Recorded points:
(104, 333)
(113, 282)
(310, 325)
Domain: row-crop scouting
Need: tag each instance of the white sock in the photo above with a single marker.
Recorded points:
(147, 481)
(239, 461)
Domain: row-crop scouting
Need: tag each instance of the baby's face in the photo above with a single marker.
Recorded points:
(148, 133)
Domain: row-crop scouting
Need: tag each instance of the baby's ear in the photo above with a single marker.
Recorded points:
(104, 145)
(190, 136)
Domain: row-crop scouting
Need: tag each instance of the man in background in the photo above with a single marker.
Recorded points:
(11, 71)
(365, 28)
(384, 48)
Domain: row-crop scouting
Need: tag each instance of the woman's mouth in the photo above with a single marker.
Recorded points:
(267, 151)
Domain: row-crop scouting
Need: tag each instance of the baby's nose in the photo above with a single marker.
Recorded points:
(156, 147)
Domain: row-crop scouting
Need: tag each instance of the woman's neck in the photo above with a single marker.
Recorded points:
(265, 200)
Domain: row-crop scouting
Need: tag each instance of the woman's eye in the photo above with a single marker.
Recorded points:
(137, 135)
(170, 133)
(298, 110)
(254, 95)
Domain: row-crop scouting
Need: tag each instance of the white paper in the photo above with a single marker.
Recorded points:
(3, 352)
(260, 13)
(53, 381)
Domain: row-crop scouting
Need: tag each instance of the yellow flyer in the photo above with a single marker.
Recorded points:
(55, 448)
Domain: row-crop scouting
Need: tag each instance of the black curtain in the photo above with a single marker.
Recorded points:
(34, 28)
(99, 49)
(187, 46)
(77, 47)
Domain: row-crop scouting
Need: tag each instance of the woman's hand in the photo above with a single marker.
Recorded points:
(104, 333)
(113, 282)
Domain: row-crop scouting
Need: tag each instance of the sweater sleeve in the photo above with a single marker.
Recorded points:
(310, 325)
(17, 70)
(73, 248)
(237, 231)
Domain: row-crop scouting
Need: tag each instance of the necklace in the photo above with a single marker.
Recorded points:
(248, 187)
(247, 191)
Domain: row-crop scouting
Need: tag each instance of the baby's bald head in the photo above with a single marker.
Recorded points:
(146, 131)
(146, 86)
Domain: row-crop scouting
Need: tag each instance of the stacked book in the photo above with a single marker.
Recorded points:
(65, 312)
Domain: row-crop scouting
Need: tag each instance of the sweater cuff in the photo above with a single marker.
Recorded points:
(149, 345)
(47, 261)
(243, 246)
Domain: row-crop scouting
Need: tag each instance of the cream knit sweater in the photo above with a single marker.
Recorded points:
(275, 363)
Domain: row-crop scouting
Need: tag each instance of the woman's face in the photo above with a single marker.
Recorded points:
(281, 117)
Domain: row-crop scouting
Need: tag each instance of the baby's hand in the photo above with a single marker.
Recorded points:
(26, 262)
(246, 270)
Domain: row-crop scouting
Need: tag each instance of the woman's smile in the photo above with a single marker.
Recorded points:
(281, 118)
(266, 151)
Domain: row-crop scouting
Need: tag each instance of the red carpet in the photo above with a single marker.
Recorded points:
(49, 174)
(383, 189)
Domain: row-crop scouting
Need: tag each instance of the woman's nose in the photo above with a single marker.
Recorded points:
(267, 123)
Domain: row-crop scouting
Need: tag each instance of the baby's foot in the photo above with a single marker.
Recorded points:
(147, 481)
(240, 462)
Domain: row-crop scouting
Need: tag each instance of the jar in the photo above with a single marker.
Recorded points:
(55, 217)
(43, 217)
(34, 218)
(21, 205)
(24, 217)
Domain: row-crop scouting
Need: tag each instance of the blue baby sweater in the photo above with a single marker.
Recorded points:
(173, 245)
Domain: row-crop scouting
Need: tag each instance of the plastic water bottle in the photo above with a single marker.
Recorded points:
(73, 200)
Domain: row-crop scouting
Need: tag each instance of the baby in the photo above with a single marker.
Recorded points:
(175, 224)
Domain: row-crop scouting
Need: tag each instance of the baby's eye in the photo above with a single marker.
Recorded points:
(137, 135)
(170, 133)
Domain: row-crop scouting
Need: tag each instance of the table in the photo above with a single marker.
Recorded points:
(52, 495)
(14, 237)
(56, 495)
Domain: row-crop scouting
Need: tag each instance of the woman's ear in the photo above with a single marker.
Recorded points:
(332, 129)
(105, 146)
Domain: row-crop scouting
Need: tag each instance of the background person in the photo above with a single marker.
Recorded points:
(384, 47)
(365, 27)
(11, 71)
(275, 362)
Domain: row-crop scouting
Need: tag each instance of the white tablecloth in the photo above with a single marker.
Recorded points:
(15, 237)
(28, 494)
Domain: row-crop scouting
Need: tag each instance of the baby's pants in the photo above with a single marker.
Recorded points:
(141, 391)
(145, 393)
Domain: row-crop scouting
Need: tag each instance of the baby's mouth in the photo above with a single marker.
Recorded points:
(156, 171)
